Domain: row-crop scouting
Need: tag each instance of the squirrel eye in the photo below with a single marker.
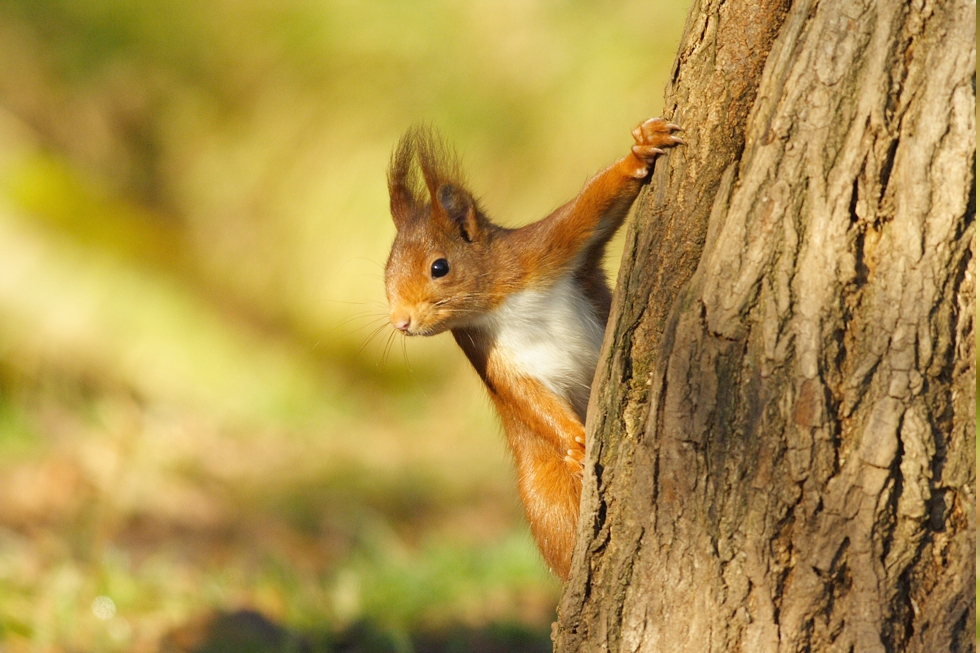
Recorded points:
(440, 268)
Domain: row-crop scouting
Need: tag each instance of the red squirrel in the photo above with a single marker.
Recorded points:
(527, 306)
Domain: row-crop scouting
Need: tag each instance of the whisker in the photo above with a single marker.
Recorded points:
(364, 258)
(369, 311)
(372, 317)
(371, 337)
(387, 349)
(391, 348)
(341, 301)
(373, 303)
(372, 323)
(405, 354)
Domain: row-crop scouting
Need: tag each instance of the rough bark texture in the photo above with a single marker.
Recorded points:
(782, 426)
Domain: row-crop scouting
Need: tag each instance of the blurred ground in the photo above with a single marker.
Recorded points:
(208, 440)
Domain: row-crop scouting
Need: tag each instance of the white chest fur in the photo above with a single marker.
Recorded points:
(553, 336)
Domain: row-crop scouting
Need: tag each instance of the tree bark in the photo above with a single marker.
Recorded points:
(781, 452)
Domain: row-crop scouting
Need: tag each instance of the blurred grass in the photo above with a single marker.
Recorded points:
(194, 417)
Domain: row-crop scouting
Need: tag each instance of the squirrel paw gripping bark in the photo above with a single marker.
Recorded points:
(651, 136)
(575, 458)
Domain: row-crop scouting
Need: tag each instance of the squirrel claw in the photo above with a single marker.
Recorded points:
(652, 136)
(646, 151)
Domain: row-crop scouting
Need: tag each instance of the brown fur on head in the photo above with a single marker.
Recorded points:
(436, 218)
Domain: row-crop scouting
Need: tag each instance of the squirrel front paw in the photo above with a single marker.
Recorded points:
(652, 136)
(575, 458)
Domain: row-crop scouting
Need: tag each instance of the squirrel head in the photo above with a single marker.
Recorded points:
(439, 274)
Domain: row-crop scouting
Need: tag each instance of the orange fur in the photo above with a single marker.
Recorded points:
(494, 274)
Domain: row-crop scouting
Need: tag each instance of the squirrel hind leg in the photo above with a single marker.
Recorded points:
(550, 493)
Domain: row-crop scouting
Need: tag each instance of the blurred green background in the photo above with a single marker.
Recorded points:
(201, 411)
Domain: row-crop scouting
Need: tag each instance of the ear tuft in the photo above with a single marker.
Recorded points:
(419, 164)
(404, 186)
(424, 175)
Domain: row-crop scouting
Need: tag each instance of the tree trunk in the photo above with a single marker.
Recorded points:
(782, 425)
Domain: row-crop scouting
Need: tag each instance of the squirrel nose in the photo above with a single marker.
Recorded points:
(401, 322)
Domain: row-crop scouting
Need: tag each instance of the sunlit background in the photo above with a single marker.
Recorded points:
(207, 438)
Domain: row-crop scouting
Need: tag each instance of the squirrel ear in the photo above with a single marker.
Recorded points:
(459, 207)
